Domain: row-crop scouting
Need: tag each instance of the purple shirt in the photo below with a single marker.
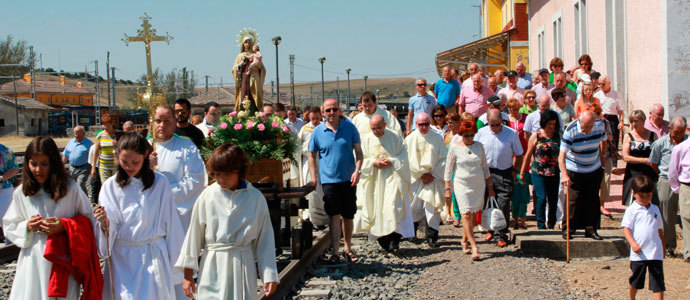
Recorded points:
(679, 166)
(660, 131)
(540, 89)
(475, 102)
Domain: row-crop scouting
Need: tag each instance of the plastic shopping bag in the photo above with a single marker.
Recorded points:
(492, 216)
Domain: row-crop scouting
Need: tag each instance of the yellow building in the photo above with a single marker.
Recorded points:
(504, 40)
(53, 93)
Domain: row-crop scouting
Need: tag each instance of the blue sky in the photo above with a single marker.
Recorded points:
(370, 37)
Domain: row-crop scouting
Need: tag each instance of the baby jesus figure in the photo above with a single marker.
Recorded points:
(256, 62)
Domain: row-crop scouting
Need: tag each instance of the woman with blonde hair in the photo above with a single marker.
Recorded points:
(586, 99)
(530, 105)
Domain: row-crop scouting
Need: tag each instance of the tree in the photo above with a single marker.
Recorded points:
(174, 84)
(12, 52)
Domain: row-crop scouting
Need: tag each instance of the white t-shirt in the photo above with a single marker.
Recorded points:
(610, 103)
(645, 224)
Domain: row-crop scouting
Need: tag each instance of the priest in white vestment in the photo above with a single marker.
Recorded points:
(179, 160)
(426, 152)
(384, 187)
(316, 212)
(361, 120)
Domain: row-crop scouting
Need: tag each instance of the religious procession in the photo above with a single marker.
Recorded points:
(489, 181)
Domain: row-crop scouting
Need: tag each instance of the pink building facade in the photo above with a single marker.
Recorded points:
(644, 46)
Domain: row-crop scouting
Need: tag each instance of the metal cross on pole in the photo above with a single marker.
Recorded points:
(147, 35)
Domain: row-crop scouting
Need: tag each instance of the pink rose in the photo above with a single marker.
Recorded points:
(263, 115)
(238, 126)
(275, 124)
(210, 130)
(232, 113)
(250, 125)
(286, 129)
(224, 125)
(261, 127)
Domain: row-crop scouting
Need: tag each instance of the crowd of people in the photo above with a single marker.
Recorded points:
(474, 138)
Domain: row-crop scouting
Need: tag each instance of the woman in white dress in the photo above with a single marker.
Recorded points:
(145, 233)
(468, 161)
(46, 195)
(231, 224)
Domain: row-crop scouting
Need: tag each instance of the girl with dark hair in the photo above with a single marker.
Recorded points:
(46, 195)
(232, 228)
(145, 233)
(545, 146)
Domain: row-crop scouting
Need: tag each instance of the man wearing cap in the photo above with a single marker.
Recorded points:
(473, 100)
(544, 86)
(559, 80)
(524, 79)
(512, 90)
(447, 90)
(497, 103)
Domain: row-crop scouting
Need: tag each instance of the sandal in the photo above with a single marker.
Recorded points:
(456, 223)
(475, 254)
(466, 249)
(350, 256)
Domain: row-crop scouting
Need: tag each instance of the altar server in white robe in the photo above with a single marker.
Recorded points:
(145, 234)
(316, 212)
(384, 187)
(231, 226)
(361, 120)
(427, 156)
(179, 160)
(46, 194)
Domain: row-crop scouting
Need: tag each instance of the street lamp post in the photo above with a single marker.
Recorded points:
(323, 91)
(365, 82)
(348, 87)
(276, 41)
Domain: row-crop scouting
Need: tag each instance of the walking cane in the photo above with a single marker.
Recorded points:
(108, 261)
(567, 220)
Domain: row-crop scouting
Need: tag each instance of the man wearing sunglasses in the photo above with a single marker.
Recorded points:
(504, 157)
(426, 152)
(419, 103)
(333, 143)
(370, 108)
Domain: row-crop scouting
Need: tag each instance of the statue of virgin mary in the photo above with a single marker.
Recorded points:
(248, 74)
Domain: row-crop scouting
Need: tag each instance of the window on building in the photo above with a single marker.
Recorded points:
(2, 123)
(506, 12)
(540, 48)
(557, 38)
(580, 18)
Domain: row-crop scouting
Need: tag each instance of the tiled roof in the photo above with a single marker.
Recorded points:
(221, 96)
(26, 103)
(43, 86)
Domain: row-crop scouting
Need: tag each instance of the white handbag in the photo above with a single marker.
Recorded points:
(492, 216)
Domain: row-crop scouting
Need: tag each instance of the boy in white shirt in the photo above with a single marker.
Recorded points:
(643, 229)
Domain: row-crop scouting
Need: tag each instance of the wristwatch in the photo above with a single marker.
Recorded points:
(358, 171)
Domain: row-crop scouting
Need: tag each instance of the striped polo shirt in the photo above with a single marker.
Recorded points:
(582, 149)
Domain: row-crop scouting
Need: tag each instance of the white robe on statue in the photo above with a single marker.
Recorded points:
(179, 160)
(427, 154)
(361, 121)
(33, 270)
(145, 239)
(316, 212)
(233, 228)
(383, 194)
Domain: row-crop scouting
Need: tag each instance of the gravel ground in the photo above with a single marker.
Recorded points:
(418, 272)
(6, 277)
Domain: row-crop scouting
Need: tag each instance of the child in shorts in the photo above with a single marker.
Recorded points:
(643, 229)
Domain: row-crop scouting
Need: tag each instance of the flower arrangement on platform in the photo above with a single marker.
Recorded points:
(260, 136)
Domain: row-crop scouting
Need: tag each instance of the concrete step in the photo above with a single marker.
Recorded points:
(550, 243)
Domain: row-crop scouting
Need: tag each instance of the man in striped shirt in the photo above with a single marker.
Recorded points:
(580, 164)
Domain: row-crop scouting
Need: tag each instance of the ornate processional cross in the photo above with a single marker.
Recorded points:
(147, 35)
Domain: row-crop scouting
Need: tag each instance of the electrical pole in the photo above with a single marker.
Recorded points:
(365, 82)
(206, 84)
(311, 95)
(337, 88)
(33, 79)
(98, 98)
(107, 67)
(276, 41)
(348, 70)
(272, 87)
(292, 77)
(112, 83)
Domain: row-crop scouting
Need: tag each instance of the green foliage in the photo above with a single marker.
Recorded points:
(259, 136)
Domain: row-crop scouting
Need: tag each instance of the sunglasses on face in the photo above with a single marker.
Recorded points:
(471, 135)
(422, 124)
(421, 84)
(495, 125)
(177, 111)
(439, 116)
(531, 97)
(330, 110)
(584, 64)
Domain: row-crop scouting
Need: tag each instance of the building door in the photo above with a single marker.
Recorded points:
(616, 54)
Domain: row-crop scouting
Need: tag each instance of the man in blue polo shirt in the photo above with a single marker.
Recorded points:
(419, 103)
(334, 141)
(76, 153)
(447, 91)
